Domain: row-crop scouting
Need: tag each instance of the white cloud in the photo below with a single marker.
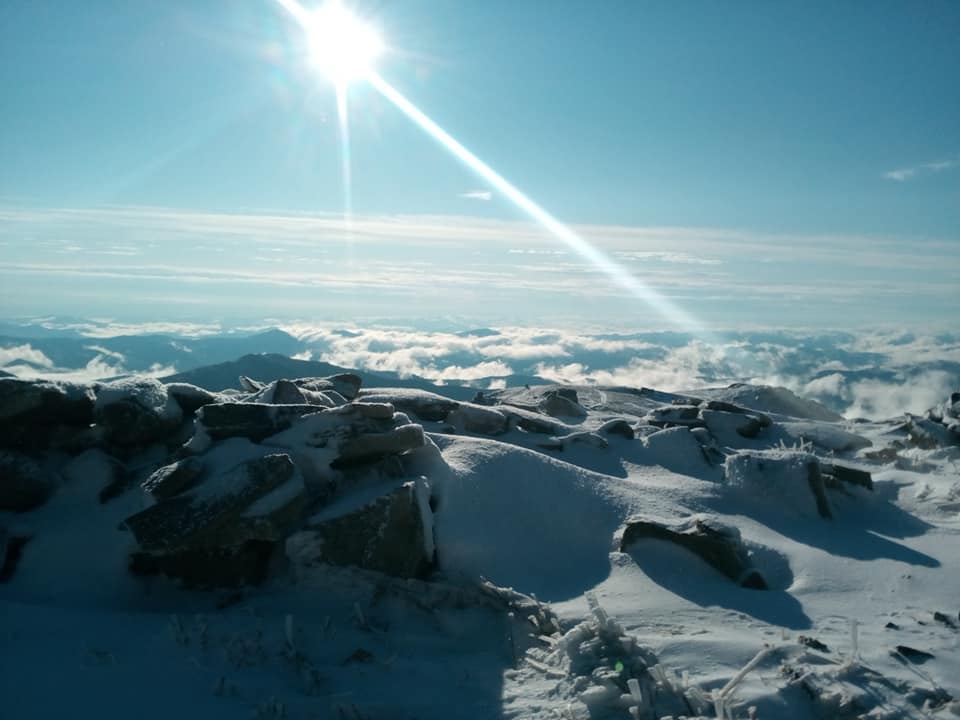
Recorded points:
(483, 195)
(23, 353)
(119, 357)
(96, 369)
(907, 173)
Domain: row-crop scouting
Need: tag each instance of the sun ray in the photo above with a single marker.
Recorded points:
(358, 70)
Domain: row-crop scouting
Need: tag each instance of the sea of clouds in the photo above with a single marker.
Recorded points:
(871, 374)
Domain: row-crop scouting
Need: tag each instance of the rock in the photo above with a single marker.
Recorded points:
(478, 419)
(533, 422)
(255, 421)
(371, 411)
(619, 427)
(189, 397)
(207, 516)
(39, 402)
(849, 475)
(136, 412)
(346, 384)
(788, 478)
(392, 534)
(812, 643)
(24, 485)
(173, 479)
(722, 406)
(588, 439)
(562, 403)
(929, 435)
(287, 392)
(721, 423)
(817, 487)
(373, 446)
(717, 544)
(686, 415)
(944, 619)
(249, 384)
(912, 654)
(425, 405)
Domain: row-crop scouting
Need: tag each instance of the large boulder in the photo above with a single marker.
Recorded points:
(24, 484)
(425, 405)
(370, 447)
(40, 402)
(224, 532)
(136, 412)
(208, 515)
(785, 479)
(562, 403)
(719, 545)
(255, 421)
(391, 533)
(478, 419)
(189, 397)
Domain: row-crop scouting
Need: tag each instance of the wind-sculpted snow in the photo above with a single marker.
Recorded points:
(316, 546)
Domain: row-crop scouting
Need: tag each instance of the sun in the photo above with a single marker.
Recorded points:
(342, 47)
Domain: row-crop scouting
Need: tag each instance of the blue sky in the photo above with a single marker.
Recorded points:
(802, 130)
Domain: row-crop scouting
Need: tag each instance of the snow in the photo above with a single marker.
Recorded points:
(543, 521)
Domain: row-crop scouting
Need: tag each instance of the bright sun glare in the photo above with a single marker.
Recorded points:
(342, 47)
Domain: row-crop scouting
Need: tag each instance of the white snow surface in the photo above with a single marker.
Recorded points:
(81, 637)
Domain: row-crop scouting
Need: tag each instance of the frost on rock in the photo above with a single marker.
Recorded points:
(785, 479)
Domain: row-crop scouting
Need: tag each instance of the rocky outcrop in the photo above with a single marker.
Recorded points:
(137, 412)
(173, 479)
(254, 421)
(24, 484)
(717, 544)
(562, 403)
(208, 516)
(391, 533)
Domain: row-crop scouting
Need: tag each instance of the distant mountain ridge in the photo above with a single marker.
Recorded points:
(272, 366)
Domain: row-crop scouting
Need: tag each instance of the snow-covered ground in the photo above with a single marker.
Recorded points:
(532, 490)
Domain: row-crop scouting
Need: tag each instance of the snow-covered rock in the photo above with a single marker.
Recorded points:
(390, 532)
(717, 543)
(787, 479)
(136, 412)
(206, 517)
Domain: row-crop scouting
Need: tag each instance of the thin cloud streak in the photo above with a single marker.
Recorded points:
(909, 173)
